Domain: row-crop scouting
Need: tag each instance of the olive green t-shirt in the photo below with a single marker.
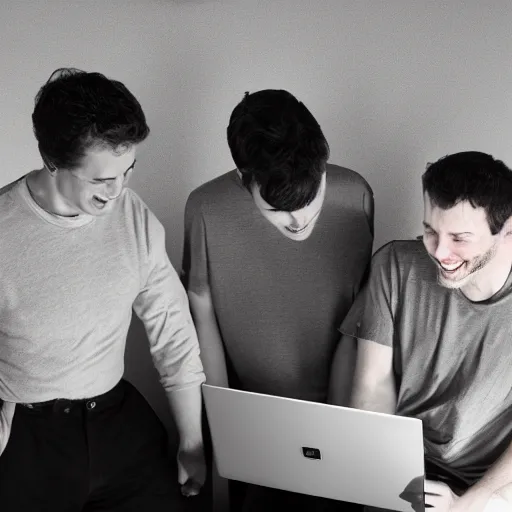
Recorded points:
(452, 357)
(278, 302)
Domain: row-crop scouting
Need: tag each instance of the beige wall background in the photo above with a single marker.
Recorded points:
(394, 84)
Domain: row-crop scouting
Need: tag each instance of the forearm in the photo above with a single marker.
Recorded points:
(374, 387)
(212, 353)
(371, 394)
(342, 372)
(497, 480)
(210, 340)
(186, 407)
(373, 398)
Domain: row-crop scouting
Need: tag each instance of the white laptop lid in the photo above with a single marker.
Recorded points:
(364, 457)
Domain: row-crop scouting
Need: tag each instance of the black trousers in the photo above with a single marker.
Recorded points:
(109, 453)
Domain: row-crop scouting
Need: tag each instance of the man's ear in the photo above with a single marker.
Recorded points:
(49, 166)
(507, 229)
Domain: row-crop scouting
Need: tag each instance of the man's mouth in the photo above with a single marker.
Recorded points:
(301, 230)
(99, 202)
(451, 268)
(297, 231)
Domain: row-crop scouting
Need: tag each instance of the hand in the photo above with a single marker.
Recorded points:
(413, 493)
(439, 497)
(191, 469)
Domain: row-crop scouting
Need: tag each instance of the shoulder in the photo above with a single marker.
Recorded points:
(215, 193)
(136, 209)
(400, 255)
(9, 198)
(7, 190)
(348, 189)
(347, 178)
(133, 201)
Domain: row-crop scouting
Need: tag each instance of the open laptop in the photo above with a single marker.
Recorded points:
(322, 450)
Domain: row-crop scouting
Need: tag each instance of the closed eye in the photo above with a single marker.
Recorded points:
(125, 174)
(107, 180)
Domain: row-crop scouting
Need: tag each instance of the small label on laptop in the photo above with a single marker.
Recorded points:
(311, 453)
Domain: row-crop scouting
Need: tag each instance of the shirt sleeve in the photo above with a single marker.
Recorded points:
(371, 316)
(195, 261)
(162, 305)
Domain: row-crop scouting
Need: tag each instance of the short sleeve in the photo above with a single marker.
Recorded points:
(371, 316)
(194, 264)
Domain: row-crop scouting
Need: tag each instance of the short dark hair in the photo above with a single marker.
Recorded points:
(474, 177)
(277, 143)
(76, 110)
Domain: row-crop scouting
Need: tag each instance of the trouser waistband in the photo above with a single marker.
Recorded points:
(67, 405)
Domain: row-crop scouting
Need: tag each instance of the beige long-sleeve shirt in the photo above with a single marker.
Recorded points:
(67, 290)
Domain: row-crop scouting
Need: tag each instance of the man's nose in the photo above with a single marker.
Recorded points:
(297, 219)
(443, 250)
(115, 188)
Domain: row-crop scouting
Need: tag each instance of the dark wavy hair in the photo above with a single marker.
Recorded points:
(277, 143)
(474, 177)
(76, 111)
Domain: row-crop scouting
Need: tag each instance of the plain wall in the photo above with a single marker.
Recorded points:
(394, 84)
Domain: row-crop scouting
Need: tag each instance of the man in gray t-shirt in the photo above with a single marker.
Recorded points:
(275, 252)
(433, 331)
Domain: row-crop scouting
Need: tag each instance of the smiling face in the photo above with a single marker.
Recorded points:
(459, 241)
(97, 183)
(297, 225)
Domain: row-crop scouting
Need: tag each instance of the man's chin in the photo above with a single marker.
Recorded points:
(454, 284)
(299, 237)
(448, 283)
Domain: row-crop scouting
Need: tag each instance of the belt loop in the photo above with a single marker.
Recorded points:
(62, 405)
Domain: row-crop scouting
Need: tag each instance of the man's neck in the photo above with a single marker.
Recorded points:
(490, 280)
(43, 192)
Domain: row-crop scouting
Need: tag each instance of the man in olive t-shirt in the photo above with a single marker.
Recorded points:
(275, 252)
(433, 327)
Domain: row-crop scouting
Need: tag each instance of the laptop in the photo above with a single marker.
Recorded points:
(318, 449)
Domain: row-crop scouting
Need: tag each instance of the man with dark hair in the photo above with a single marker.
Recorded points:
(432, 325)
(78, 252)
(274, 254)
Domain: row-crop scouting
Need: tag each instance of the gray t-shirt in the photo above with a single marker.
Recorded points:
(452, 357)
(279, 302)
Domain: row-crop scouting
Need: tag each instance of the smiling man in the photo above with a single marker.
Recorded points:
(79, 251)
(275, 252)
(433, 331)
